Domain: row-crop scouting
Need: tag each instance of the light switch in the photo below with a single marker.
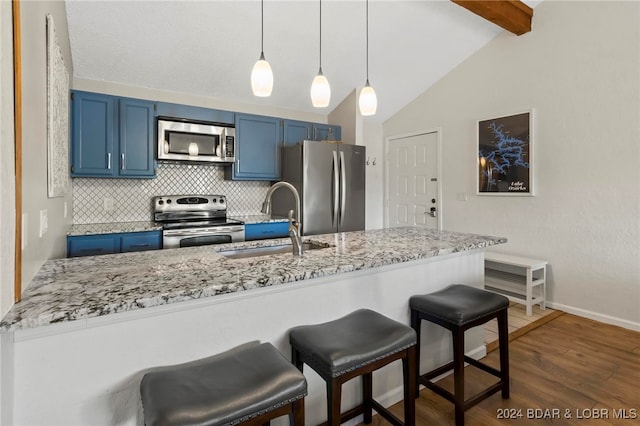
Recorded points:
(44, 222)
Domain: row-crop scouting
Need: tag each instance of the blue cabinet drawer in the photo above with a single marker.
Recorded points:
(141, 241)
(259, 231)
(92, 245)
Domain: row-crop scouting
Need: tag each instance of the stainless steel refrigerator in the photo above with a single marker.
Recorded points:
(330, 178)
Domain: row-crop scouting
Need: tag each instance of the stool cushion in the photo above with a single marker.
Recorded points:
(350, 342)
(459, 304)
(227, 388)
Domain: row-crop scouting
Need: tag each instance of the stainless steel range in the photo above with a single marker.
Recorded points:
(195, 220)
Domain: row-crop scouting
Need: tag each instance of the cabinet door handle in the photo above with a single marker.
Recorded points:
(122, 162)
(315, 134)
(108, 161)
(307, 133)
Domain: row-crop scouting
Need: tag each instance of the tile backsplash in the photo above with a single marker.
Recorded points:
(132, 197)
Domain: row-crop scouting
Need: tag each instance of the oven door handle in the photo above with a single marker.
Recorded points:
(203, 231)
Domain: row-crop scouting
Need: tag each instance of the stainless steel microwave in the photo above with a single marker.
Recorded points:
(189, 141)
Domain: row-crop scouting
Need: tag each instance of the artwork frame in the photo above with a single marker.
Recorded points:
(57, 116)
(505, 161)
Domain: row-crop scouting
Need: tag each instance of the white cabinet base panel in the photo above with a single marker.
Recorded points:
(521, 279)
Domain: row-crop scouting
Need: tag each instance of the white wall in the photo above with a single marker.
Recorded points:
(579, 69)
(7, 207)
(34, 137)
(7, 157)
(347, 116)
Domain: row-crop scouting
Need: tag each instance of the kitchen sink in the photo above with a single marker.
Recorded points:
(243, 253)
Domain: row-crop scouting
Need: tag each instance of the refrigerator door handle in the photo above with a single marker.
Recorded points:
(336, 191)
(343, 190)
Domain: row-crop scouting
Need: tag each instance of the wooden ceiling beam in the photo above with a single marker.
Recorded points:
(512, 15)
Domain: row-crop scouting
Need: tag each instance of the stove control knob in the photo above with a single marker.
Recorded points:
(213, 200)
(169, 201)
(221, 200)
(161, 202)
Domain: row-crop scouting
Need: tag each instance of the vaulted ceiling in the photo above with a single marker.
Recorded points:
(208, 48)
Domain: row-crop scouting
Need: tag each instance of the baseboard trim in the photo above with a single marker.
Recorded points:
(635, 326)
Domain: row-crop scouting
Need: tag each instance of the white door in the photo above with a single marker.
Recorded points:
(413, 187)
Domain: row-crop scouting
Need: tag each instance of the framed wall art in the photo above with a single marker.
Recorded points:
(505, 155)
(57, 116)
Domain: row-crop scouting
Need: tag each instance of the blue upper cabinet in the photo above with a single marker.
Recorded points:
(94, 126)
(296, 131)
(111, 136)
(258, 141)
(165, 109)
(136, 138)
(326, 132)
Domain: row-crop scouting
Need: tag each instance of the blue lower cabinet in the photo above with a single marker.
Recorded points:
(92, 245)
(141, 241)
(261, 231)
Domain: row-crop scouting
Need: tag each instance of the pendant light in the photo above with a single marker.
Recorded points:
(368, 101)
(261, 75)
(320, 90)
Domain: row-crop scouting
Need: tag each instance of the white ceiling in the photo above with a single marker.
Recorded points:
(208, 48)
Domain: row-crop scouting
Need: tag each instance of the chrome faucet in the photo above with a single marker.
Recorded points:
(294, 226)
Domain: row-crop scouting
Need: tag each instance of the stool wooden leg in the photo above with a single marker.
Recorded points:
(334, 395)
(415, 324)
(409, 366)
(458, 375)
(296, 418)
(503, 341)
(367, 397)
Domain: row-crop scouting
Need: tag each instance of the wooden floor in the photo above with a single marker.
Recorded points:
(569, 371)
(519, 323)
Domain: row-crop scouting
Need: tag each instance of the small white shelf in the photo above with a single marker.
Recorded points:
(521, 279)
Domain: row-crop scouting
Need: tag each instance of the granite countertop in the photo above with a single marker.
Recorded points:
(258, 218)
(78, 288)
(120, 227)
(112, 228)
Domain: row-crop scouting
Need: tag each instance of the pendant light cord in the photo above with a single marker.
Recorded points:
(262, 28)
(320, 36)
(367, 41)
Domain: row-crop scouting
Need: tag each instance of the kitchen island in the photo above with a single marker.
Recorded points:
(87, 329)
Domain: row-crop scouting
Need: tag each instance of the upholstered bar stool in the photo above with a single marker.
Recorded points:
(249, 385)
(356, 345)
(459, 308)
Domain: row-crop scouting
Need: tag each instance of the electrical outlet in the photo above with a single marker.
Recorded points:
(461, 196)
(44, 222)
(107, 204)
(65, 210)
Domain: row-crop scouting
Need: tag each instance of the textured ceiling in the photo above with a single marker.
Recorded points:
(208, 48)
